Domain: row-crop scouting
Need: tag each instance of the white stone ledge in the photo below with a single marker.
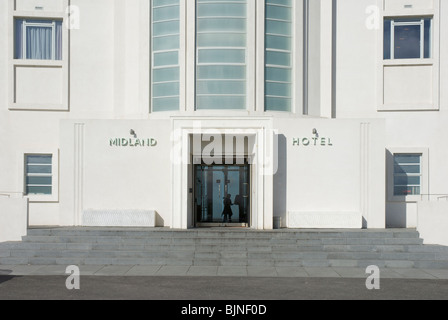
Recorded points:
(324, 220)
(121, 218)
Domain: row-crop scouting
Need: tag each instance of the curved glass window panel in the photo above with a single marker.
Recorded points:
(165, 43)
(278, 42)
(222, 56)
(165, 104)
(166, 13)
(170, 58)
(165, 28)
(278, 55)
(166, 89)
(165, 74)
(279, 27)
(221, 9)
(278, 104)
(221, 40)
(221, 48)
(278, 89)
(222, 25)
(278, 74)
(221, 87)
(221, 72)
(226, 102)
(279, 13)
(278, 58)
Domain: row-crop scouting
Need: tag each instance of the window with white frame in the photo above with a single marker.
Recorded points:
(38, 174)
(221, 54)
(37, 39)
(278, 43)
(407, 174)
(409, 38)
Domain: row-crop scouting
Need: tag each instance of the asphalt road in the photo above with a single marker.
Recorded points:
(235, 289)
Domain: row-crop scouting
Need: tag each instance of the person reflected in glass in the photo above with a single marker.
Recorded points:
(227, 212)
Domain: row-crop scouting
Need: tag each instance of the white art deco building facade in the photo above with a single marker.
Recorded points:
(304, 113)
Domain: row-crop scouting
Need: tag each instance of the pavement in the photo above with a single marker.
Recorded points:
(175, 288)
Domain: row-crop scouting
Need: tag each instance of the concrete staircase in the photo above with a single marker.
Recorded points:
(224, 247)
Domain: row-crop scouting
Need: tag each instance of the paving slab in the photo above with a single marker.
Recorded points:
(50, 270)
(413, 273)
(322, 272)
(173, 271)
(293, 272)
(113, 271)
(438, 273)
(350, 272)
(24, 270)
(203, 271)
(232, 271)
(143, 270)
(259, 271)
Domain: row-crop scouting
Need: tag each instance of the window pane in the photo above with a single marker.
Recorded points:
(222, 56)
(166, 74)
(221, 102)
(428, 38)
(165, 104)
(407, 159)
(406, 180)
(39, 169)
(407, 191)
(221, 87)
(407, 42)
(407, 169)
(37, 180)
(39, 190)
(166, 59)
(39, 159)
(387, 39)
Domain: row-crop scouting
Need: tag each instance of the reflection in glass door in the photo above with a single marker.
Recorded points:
(215, 183)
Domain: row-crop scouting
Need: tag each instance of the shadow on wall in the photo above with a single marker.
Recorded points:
(280, 183)
(396, 216)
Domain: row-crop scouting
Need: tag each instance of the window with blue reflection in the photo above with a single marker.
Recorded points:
(407, 38)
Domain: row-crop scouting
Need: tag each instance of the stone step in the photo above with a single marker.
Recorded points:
(228, 233)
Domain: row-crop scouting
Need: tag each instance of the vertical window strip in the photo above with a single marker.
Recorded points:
(221, 54)
(165, 44)
(278, 55)
(38, 175)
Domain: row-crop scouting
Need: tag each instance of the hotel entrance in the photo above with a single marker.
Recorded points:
(222, 195)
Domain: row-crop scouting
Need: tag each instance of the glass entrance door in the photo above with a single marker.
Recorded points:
(213, 184)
